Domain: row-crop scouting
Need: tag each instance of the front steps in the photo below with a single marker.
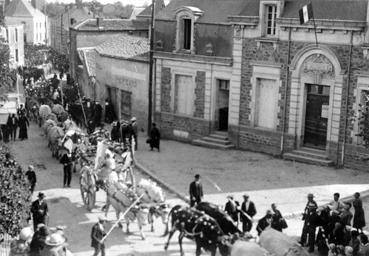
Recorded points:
(217, 140)
(309, 156)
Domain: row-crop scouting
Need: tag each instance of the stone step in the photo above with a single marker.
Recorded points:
(219, 136)
(217, 140)
(313, 150)
(306, 159)
(208, 144)
(312, 154)
(222, 133)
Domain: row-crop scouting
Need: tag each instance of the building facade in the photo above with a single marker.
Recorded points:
(13, 35)
(122, 76)
(91, 33)
(271, 84)
(36, 27)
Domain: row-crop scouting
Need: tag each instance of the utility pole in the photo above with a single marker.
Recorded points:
(151, 66)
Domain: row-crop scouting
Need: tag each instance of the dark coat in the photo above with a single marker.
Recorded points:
(127, 133)
(196, 191)
(251, 211)
(96, 235)
(231, 209)
(31, 176)
(277, 220)
(359, 216)
(154, 138)
(39, 211)
(23, 124)
(262, 224)
(12, 124)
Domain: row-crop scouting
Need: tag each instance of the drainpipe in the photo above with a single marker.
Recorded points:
(285, 91)
(346, 102)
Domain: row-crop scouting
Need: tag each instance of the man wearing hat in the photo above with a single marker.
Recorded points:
(248, 211)
(31, 176)
(309, 226)
(97, 234)
(39, 210)
(196, 192)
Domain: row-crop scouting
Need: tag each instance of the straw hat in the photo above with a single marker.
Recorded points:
(54, 239)
(26, 234)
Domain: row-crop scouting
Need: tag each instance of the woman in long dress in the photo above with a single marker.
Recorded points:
(23, 124)
(359, 216)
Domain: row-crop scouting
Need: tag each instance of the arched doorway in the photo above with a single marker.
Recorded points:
(315, 99)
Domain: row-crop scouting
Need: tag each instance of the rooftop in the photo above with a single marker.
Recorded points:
(112, 25)
(88, 58)
(22, 8)
(218, 11)
(125, 46)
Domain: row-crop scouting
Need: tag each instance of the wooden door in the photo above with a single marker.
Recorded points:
(316, 118)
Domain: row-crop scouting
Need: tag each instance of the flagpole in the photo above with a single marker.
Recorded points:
(312, 12)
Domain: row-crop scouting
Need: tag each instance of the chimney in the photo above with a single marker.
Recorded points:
(99, 21)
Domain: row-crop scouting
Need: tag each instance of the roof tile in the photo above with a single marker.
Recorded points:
(125, 46)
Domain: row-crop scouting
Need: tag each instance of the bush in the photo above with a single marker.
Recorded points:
(15, 196)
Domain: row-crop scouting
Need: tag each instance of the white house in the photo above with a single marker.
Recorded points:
(13, 35)
(36, 28)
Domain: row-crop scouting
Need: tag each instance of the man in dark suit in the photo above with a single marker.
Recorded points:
(97, 234)
(231, 208)
(12, 126)
(196, 192)
(249, 208)
(39, 210)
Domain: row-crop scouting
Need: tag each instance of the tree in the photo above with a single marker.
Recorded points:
(7, 76)
(15, 197)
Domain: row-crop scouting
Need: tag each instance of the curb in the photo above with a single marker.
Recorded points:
(350, 199)
(161, 182)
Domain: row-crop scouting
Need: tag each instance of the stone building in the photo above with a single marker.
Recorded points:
(122, 73)
(270, 84)
(59, 27)
(93, 32)
(35, 23)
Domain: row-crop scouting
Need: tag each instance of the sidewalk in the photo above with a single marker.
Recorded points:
(266, 179)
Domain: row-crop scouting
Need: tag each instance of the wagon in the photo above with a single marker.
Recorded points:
(93, 179)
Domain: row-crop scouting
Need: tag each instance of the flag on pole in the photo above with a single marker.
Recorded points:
(306, 13)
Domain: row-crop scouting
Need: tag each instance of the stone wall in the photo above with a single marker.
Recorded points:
(166, 78)
(200, 94)
(182, 128)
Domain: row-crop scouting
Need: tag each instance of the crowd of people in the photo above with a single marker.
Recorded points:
(333, 228)
(16, 123)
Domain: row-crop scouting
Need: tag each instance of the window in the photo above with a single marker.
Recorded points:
(184, 93)
(271, 16)
(266, 95)
(7, 35)
(223, 84)
(16, 55)
(187, 33)
(16, 35)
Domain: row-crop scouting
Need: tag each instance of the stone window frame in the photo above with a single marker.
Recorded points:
(265, 71)
(173, 92)
(264, 4)
(186, 12)
(362, 85)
